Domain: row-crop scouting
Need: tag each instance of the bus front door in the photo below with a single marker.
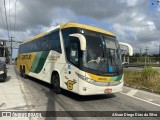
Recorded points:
(71, 69)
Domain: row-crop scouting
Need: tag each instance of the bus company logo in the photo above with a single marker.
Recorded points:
(102, 79)
(54, 57)
(27, 56)
(70, 84)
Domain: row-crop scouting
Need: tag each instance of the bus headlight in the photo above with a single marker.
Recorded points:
(85, 79)
(93, 81)
(81, 76)
(89, 80)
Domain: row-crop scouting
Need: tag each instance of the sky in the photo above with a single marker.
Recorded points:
(136, 22)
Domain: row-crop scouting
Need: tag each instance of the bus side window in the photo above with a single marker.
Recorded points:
(45, 43)
(54, 41)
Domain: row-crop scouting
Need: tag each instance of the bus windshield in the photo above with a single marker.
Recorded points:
(102, 54)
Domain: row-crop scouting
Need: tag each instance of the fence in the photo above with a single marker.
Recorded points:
(144, 59)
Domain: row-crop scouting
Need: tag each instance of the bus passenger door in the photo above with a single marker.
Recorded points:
(71, 69)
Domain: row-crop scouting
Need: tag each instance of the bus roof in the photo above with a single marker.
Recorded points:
(68, 25)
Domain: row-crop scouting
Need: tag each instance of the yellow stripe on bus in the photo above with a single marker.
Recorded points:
(98, 78)
(67, 25)
(26, 61)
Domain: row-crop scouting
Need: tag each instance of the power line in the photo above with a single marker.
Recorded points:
(15, 18)
(2, 18)
(9, 15)
(6, 17)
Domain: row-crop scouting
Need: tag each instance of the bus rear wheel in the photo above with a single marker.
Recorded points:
(21, 72)
(56, 84)
(24, 73)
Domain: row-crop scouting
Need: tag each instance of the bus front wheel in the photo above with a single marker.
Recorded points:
(56, 84)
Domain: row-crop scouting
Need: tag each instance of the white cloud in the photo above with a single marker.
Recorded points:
(131, 20)
(132, 2)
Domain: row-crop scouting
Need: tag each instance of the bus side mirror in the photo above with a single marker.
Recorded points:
(130, 49)
(82, 40)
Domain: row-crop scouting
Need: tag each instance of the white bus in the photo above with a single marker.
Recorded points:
(82, 59)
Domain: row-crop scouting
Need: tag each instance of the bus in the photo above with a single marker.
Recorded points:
(79, 58)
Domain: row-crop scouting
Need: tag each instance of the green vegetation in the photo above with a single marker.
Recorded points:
(148, 79)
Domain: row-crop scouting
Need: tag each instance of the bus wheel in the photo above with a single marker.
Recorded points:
(21, 72)
(24, 74)
(56, 84)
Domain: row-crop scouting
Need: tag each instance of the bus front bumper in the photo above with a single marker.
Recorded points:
(89, 89)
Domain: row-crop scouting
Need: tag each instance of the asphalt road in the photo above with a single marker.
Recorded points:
(33, 95)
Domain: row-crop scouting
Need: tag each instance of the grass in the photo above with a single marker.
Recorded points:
(148, 79)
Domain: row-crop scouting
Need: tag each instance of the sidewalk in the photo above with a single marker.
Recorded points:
(10, 90)
(11, 94)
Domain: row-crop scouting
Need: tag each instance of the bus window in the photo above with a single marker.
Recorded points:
(54, 42)
(37, 45)
(45, 43)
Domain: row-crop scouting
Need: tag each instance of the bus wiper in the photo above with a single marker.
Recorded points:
(98, 60)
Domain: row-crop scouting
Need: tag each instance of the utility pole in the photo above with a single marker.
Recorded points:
(140, 51)
(146, 50)
(146, 54)
(124, 58)
(159, 53)
(11, 38)
(140, 54)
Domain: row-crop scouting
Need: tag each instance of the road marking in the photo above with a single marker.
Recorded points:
(150, 100)
(141, 99)
(132, 92)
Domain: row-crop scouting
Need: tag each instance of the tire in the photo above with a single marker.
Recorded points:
(2, 79)
(24, 74)
(56, 84)
(5, 75)
(21, 72)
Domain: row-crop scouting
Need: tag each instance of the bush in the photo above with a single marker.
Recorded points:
(150, 78)
(148, 73)
(147, 78)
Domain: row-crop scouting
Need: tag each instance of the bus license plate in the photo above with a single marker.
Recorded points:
(108, 90)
